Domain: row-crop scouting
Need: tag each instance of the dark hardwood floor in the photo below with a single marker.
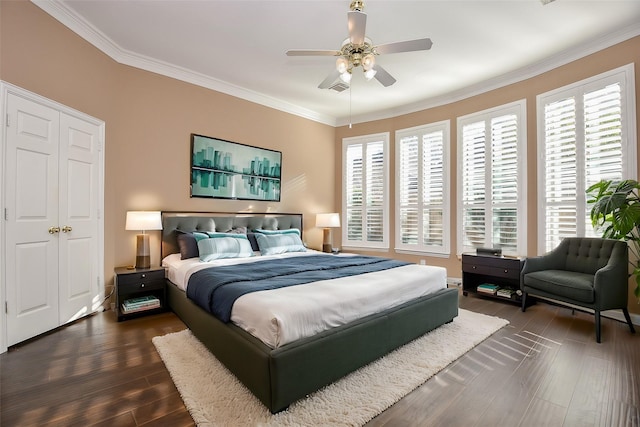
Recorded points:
(544, 369)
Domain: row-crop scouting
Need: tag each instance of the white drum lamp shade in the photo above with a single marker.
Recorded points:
(143, 221)
(327, 221)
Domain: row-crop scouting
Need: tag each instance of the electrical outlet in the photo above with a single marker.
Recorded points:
(423, 262)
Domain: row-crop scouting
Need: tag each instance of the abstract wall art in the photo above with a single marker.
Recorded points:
(228, 170)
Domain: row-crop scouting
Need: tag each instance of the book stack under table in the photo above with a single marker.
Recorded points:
(146, 302)
(487, 288)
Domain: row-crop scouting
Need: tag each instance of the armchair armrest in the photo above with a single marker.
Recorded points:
(553, 260)
(611, 282)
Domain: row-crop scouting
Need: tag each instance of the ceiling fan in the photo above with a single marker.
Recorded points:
(358, 50)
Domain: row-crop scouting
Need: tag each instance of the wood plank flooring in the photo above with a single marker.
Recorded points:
(543, 369)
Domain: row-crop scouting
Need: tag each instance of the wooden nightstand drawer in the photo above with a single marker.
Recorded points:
(136, 277)
(509, 273)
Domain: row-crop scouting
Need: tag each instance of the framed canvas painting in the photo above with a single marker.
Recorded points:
(229, 170)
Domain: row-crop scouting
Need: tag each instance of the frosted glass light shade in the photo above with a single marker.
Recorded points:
(368, 62)
(342, 65)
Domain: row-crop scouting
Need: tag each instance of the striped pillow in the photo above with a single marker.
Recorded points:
(223, 245)
(271, 244)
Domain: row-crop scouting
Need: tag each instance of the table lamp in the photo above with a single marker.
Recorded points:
(327, 221)
(143, 221)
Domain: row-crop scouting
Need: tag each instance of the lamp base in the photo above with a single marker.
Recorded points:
(143, 258)
(327, 245)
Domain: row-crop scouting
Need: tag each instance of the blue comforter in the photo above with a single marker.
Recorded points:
(215, 289)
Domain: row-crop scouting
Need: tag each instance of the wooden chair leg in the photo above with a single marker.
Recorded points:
(597, 314)
(626, 316)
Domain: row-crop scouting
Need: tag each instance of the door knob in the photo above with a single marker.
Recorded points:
(54, 230)
(66, 229)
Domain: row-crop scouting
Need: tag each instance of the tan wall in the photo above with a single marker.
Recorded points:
(616, 56)
(149, 119)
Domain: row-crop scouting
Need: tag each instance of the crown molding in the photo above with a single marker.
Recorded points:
(550, 63)
(78, 25)
(73, 21)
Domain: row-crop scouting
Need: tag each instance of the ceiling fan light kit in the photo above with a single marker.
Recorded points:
(358, 50)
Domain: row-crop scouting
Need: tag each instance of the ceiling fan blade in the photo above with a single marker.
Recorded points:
(326, 83)
(383, 76)
(299, 52)
(408, 46)
(357, 26)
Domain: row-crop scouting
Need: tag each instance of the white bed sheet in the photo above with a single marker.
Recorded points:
(281, 316)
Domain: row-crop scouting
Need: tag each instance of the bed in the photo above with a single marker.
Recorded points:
(278, 376)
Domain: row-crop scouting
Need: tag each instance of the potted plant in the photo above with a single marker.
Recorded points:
(616, 212)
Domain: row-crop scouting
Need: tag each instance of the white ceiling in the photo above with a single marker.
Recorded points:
(238, 46)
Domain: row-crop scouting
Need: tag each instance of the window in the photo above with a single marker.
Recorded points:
(492, 179)
(365, 216)
(586, 133)
(422, 189)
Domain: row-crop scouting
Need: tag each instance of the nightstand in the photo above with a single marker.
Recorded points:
(501, 271)
(139, 292)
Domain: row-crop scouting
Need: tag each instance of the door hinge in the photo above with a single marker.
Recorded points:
(6, 215)
(8, 120)
(6, 307)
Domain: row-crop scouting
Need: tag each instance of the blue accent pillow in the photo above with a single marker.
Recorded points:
(280, 243)
(224, 245)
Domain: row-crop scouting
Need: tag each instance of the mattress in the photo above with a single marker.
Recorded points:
(281, 316)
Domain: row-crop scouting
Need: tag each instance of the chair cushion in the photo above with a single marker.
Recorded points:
(568, 284)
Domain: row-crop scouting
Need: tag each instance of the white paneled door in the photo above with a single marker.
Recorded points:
(52, 185)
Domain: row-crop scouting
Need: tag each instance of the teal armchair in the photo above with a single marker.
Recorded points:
(585, 272)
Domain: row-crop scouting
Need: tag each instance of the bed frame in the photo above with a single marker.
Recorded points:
(279, 377)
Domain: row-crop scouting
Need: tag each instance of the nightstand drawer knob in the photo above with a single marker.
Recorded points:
(143, 275)
(474, 267)
(506, 271)
(142, 285)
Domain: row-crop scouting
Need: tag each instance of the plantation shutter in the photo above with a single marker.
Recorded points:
(473, 185)
(493, 163)
(421, 189)
(409, 189)
(365, 210)
(561, 171)
(583, 144)
(354, 196)
(504, 182)
(433, 184)
(375, 192)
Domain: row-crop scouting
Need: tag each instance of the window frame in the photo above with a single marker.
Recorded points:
(519, 108)
(420, 131)
(625, 75)
(364, 244)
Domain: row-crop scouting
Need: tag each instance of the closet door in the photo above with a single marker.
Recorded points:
(31, 218)
(78, 213)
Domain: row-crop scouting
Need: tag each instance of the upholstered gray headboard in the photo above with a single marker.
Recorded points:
(221, 222)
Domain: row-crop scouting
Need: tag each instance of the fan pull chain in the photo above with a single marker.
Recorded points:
(349, 106)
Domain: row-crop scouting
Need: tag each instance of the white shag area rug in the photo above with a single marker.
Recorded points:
(214, 397)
